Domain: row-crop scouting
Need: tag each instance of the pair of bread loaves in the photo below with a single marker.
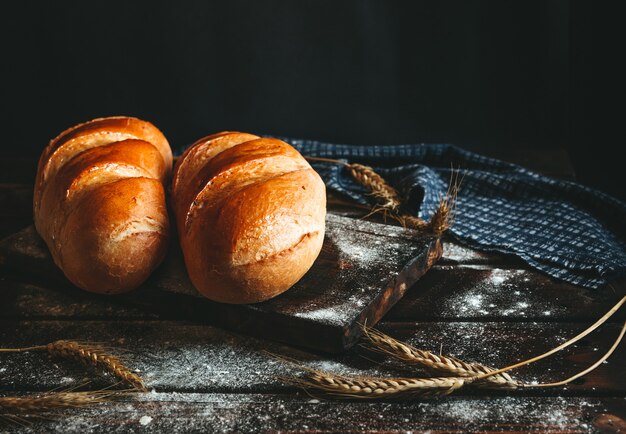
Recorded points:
(250, 211)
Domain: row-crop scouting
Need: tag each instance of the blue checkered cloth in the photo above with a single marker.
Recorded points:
(567, 230)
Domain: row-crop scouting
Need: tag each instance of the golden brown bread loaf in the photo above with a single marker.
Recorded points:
(99, 202)
(250, 213)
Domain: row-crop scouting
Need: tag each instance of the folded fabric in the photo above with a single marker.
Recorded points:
(569, 231)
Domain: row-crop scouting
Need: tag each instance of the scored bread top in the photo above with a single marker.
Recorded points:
(197, 155)
(91, 168)
(251, 234)
(95, 133)
(234, 168)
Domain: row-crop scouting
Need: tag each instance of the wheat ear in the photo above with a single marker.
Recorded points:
(374, 387)
(370, 387)
(98, 357)
(44, 402)
(390, 203)
(443, 217)
(387, 195)
(89, 353)
(440, 364)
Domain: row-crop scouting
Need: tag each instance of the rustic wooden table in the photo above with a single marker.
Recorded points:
(488, 308)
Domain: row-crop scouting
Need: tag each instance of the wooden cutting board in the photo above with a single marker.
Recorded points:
(363, 270)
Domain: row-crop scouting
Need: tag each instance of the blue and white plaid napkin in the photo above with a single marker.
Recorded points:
(567, 230)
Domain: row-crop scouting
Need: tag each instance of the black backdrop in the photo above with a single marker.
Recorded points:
(473, 73)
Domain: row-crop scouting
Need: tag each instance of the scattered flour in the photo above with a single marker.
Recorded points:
(331, 314)
(564, 415)
(366, 268)
(350, 249)
(196, 412)
(459, 254)
(494, 293)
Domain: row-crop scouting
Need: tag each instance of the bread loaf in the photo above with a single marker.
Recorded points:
(99, 202)
(250, 213)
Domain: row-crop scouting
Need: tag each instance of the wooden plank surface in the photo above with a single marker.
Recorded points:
(364, 268)
(445, 293)
(179, 356)
(244, 413)
(489, 308)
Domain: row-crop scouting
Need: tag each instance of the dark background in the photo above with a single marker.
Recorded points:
(485, 75)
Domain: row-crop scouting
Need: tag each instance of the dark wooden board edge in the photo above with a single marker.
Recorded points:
(394, 291)
(328, 339)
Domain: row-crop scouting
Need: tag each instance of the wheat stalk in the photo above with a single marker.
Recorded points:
(564, 345)
(440, 364)
(44, 402)
(390, 203)
(439, 222)
(460, 373)
(98, 357)
(370, 387)
(443, 217)
(374, 387)
(378, 187)
(89, 353)
(590, 368)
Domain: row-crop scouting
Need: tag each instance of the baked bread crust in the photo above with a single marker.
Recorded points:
(250, 217)
(99, 202)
